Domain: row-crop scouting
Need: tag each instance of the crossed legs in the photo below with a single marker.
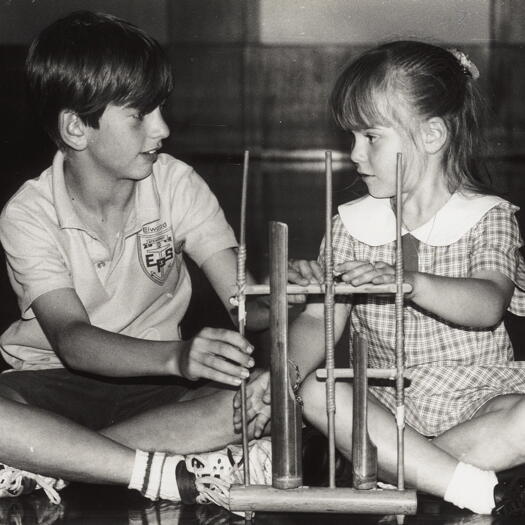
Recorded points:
(40, 441)
(499, 426)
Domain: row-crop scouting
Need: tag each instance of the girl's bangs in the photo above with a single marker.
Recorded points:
(361, 105)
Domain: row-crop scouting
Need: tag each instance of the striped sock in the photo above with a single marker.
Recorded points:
(154, 475)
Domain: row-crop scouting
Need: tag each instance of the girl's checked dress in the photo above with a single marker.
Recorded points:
(454, 369)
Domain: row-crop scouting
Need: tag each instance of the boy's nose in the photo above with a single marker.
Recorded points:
(158, 127)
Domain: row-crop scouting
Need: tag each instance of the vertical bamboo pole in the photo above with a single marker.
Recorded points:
(241, 315)
(400, 336)
(364, 452)
(329, 320)
(286, 412)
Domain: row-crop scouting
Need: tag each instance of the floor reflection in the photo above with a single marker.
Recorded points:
(99, 505)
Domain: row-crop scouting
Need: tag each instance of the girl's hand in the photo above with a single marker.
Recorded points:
(365, 272)
(258, 407)
(217, 354)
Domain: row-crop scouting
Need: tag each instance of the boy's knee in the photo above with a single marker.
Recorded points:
(8, 393)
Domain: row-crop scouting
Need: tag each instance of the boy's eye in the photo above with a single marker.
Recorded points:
(371, 138)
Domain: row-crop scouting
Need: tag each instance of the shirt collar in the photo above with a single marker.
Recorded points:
(146, 207)
(67, 217)
(373, 221)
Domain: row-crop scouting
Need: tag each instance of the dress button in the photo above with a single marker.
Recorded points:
(101, 264)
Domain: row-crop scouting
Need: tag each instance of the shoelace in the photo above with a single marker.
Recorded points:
(11, 479)
(215, 489)
(513, 504)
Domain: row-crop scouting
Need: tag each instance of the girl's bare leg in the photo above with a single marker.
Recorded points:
(427, 467)
(498, 427)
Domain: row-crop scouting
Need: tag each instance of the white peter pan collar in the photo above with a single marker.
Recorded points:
(373, 221)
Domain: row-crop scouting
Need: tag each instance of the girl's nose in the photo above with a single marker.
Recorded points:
(358, 152)
(158, 127)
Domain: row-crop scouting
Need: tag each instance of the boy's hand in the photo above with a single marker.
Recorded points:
(217, 354)
(303, 272)
(363, 272)
(258, 407)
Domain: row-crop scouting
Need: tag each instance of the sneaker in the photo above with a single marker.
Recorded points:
(509, 493)
(14, 482)
(216, 472)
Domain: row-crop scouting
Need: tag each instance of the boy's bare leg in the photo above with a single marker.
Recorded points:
(39, 441)
(202, 421)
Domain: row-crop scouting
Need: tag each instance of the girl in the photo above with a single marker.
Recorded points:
(465, 408)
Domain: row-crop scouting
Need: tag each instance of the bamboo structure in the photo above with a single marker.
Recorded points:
(287, 494)
(364, 452)
(286, 420)
(241, 316)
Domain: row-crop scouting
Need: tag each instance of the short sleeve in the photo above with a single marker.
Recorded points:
(496, 246)
(200, 220)
(34, 263)
(496, 242)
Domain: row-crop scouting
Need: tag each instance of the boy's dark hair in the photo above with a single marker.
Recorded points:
(85, 61)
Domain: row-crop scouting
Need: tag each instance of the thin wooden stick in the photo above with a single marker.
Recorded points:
(400, 335)
(329, 321)
(241, 309)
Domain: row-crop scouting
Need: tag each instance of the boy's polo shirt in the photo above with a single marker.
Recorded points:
(142, 289)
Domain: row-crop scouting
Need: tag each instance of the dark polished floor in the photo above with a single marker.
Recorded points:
(94, 505)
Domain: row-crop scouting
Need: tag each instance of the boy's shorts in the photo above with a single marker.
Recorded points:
(92, 401)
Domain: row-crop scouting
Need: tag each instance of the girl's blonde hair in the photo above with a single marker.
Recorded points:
(402, 82)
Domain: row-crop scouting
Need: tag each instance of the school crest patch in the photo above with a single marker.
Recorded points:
(158, 252)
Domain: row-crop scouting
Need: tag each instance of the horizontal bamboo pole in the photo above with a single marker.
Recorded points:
(322, 500)
(376, 373)
(339, 289)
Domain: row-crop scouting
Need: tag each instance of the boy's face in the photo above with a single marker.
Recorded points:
(126, 144)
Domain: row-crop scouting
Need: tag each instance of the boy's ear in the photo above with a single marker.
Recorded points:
(434, 134)
(72, 130)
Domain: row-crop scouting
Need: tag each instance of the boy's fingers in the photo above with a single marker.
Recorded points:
(227, 336)
(225, 352)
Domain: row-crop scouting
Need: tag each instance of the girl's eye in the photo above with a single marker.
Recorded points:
(138, 116)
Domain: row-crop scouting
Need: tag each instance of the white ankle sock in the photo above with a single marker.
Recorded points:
(154, 475)
(472, 488)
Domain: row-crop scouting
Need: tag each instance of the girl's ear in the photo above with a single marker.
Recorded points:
(434, 134)
(72, 130)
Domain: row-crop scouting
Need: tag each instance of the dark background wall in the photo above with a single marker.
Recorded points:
(256, 74)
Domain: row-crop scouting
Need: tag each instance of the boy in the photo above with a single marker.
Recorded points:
(94, 248)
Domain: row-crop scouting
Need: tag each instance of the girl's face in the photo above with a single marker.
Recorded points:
(375, 156)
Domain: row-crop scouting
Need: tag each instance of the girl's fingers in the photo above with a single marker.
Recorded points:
(363, 272)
